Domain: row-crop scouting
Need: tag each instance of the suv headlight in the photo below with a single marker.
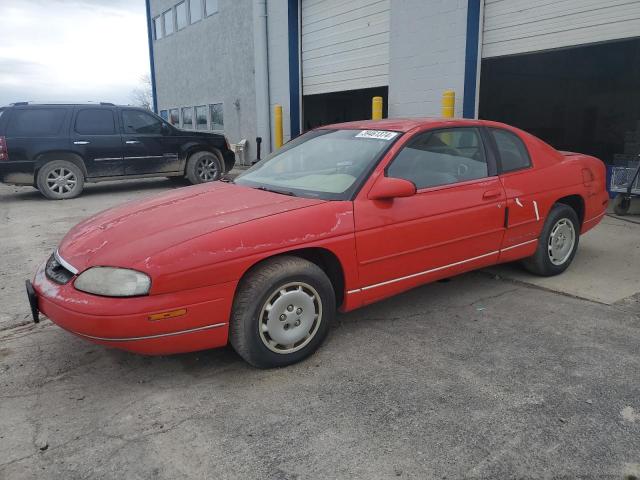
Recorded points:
(113, 282)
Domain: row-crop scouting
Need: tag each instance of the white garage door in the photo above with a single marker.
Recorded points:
(519, 26)
(345, 45)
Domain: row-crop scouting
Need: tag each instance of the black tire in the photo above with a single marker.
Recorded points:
(250, 325)
(204, 167)
(50, 180)
(621, 204)
(541, 262)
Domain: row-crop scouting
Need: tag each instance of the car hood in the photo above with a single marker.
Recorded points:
(124, 235)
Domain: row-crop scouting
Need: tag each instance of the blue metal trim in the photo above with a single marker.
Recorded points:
(471, 59)
(152, 63)
(294, 68)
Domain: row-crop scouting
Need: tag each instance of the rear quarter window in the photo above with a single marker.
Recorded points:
(511, 149)
(36, 122)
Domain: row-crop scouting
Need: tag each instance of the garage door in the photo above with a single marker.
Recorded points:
(345, 45)
(519, 26)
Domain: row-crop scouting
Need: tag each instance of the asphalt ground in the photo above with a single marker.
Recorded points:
(478, 377)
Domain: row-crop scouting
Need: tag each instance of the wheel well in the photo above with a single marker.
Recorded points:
(52, 156)
(323, 258)
(576, 202)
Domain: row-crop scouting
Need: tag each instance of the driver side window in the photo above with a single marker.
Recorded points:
(441, 157)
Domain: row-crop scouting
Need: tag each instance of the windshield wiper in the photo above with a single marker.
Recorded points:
(281, 192)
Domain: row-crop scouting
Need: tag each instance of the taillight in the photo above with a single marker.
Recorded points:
(4, 154)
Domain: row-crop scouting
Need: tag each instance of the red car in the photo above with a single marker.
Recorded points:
(338, 218)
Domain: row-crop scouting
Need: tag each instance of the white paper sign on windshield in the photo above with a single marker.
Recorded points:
(377, 134)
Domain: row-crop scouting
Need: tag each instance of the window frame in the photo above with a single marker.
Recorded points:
(164, 23)
(176, 109)
(206, 116)
(182, 110)
(74, 126)
(166, 112)
(492, 169)
(191, 21)
(186, 15)
(155, 27)
(206, 13)
(210, 117)
(496, 151)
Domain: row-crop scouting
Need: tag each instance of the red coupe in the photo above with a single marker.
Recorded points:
(338, 218)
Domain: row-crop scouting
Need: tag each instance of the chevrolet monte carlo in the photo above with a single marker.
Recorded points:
(338, 218)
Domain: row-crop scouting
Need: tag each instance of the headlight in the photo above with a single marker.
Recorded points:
(113, 282)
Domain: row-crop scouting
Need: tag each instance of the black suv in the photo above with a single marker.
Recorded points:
(57, 148)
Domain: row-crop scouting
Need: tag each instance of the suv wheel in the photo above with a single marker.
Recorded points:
(204, 167)
(60, 180)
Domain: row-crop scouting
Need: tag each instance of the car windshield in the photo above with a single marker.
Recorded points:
(327, 164)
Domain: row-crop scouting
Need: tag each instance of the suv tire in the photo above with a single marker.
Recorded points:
(60, 180)
(204, 167)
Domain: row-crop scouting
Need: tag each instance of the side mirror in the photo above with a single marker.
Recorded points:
(387, 188)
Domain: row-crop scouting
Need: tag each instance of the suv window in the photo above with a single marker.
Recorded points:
(95, 121)
(513, 153)
(441, 158)
(36, 122)
(136, 121)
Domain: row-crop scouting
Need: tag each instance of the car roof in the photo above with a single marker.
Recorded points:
(64, 104)
(403, 124)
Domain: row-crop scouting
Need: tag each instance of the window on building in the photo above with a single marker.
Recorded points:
(167, 18)
(201, 117)
(210, 7)
(95, 121)
(36, 122)
(440, 158)
(217, 116)
(143, 123)
(157, 27)
(513, 153)
(174, 116)
(181, 15)
(195, 10)
(164, 114)
(187, 117)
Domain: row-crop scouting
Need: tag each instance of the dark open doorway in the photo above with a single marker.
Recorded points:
(336, 107)
(584, 99)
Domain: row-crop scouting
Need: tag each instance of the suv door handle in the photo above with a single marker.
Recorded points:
(81, 142)
(489, 194)
(132, 142)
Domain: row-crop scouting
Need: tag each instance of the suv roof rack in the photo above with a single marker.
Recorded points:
(19, 104)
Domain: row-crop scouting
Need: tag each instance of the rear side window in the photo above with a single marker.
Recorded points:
(513, 153)
(36, 122)
(95, 121)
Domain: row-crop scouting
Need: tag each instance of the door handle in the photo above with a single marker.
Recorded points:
(81, 142)
(489, 194)
(132, 142)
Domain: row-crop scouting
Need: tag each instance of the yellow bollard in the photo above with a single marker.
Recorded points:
(448, 103)
(376, 108)
(278, 126)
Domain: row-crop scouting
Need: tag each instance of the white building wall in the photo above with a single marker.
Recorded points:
(427, 55)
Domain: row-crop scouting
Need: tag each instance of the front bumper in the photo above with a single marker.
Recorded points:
(124, 323)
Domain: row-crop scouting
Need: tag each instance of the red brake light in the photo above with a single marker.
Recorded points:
(4, 154)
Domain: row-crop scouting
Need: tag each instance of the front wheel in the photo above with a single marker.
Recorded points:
(204, 167)
(282, 312)
(557, 244)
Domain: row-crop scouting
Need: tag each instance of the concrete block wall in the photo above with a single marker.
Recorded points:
(427, 55)
(208, 62)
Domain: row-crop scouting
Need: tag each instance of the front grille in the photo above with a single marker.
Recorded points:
(56, 272)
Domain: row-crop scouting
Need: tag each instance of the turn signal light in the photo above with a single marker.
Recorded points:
(164, 315)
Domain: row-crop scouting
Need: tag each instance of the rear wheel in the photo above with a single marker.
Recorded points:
(282, 312)
(204, 167)
(60, 180)
(557, 244)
